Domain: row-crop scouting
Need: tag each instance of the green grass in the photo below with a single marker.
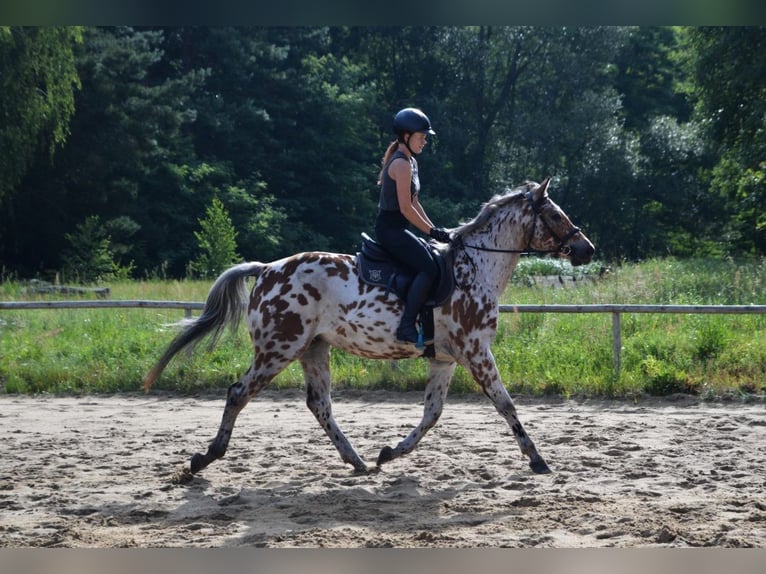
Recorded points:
(110, 350)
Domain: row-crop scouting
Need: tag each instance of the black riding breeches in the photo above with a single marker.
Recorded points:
(408, 249)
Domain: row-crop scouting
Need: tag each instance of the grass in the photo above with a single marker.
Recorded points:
(570, 355)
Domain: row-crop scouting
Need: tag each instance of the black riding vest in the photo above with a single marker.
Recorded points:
(388, 204)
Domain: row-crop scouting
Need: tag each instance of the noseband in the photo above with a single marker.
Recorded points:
(537, 209)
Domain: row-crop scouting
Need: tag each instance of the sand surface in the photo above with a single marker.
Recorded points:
(102, 472)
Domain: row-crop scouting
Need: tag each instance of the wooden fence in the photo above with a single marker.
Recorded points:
(187, 306)
(615, 310)
(618, 310)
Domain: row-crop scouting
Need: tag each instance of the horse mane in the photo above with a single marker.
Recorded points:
(489, 208)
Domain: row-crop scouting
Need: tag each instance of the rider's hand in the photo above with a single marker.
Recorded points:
(440, 234)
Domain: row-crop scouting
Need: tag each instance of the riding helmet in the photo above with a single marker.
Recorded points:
(411, 120)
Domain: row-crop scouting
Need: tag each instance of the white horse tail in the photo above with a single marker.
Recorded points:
(225, 304)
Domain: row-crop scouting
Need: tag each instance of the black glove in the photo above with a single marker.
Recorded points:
(440, 234)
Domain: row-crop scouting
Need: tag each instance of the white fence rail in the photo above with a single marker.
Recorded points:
(615, 310)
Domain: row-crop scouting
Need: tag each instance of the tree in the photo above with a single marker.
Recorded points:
(286, 127)
(127, 130)
(291, 119)
(648, 154)
(650, 77)
(38, 80)
(89, 257)
(217, 241)
(729, 84)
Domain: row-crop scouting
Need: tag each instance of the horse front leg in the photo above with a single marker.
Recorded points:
(484, 371)
(439, 376)
(316, 372)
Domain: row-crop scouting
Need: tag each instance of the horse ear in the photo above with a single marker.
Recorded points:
(542, 189)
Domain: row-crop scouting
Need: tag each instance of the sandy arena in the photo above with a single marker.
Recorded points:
(102, 471)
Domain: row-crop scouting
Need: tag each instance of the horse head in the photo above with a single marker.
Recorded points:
(552, 230)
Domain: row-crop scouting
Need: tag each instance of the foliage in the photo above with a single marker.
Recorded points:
(217, 242)
(125, 133)
(37, 85)
(653, 135)
(90, 258)
(730, 89)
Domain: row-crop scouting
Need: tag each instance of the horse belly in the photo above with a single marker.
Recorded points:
(364, 324)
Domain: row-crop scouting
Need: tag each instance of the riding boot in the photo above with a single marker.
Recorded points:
(416, 296)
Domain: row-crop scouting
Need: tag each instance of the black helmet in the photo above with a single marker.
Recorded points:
(411, 120)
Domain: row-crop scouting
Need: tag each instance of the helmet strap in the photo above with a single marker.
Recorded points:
(407, 143)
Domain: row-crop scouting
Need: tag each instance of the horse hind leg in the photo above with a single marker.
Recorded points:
(316, 371)
(237, 396)
(439, 377)
(236, 400)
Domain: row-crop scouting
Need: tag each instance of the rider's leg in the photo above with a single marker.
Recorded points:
(415, 255)
(416, 296)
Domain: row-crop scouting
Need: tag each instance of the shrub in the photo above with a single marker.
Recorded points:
(217, 241)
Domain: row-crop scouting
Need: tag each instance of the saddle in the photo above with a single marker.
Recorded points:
(378, 267)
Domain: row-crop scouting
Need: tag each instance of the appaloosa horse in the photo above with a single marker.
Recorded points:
(302, 305)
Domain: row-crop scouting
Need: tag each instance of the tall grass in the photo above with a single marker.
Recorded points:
(709, 355)
(109, 350)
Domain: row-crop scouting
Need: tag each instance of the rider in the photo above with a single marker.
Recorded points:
(399, 206)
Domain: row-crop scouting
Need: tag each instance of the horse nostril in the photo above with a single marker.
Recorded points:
(581, 253)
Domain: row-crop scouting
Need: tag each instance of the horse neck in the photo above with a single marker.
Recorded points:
(499, 269)
(509, 231)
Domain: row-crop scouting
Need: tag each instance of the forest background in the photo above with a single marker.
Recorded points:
(120, 144)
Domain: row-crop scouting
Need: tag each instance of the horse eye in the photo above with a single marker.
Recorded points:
(556, 217)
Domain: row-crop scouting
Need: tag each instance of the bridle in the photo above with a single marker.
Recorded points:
(537, 209)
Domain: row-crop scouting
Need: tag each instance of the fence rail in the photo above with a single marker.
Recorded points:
(187, 306)
(615, 310)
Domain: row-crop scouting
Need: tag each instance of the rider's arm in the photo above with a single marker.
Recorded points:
(401, 172)
(419, 208)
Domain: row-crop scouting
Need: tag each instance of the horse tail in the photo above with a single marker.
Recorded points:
(225, 305)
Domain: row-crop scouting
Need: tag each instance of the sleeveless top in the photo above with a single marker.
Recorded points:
(389, 213)
(388, 204)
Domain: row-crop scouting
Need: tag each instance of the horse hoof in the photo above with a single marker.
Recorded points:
(183, 475)
(539, 466)
(386, 454)
(197, 463)
(361, 470)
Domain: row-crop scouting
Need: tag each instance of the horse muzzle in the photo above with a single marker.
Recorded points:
(579, 252)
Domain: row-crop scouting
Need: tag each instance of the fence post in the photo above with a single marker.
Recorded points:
(188, 316)
(616, 342)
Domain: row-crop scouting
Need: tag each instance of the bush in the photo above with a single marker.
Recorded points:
(662, 378)
(89, 257)
(217, 242)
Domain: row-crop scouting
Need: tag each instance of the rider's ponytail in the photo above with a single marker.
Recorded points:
(386, 157)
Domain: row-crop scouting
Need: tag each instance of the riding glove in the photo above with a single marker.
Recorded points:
(440, 234)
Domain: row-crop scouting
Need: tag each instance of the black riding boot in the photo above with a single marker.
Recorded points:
(416, 296)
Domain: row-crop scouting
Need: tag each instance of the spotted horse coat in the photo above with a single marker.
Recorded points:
(304, 304)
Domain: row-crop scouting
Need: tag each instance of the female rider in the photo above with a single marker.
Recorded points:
(399, 207)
